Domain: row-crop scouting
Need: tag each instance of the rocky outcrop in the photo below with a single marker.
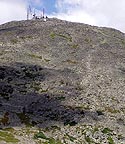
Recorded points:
(61, 82)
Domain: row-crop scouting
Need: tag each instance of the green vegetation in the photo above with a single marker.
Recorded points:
(110, 140)
(24, 119)
(35, 86)
(43, 90)
(53, 35)
(95, 130)
(79, 87)
(74, 46)
(10, 129)
(87, 138)
(7, 137)
(71, 61)
(104, 41)
(87, 40)
(55, 128)
(26, 37)
(47, 60)
(62, 98)
(120, 137)
(40, 135)
(106, 131)
(89, 132)
(14, 41)
(71, 123)
(5, 119)
(123, 42)
(72, 139)
(99, 112)
(2, 52)
(111, 110)
(34, 55)
(65, 37)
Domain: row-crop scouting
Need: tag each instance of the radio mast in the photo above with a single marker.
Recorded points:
(29, 11)
(43, 12)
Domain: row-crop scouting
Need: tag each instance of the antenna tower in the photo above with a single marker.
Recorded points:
(29, 11)
(43, 12)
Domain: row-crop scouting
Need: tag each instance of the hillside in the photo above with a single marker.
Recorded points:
(61, 83)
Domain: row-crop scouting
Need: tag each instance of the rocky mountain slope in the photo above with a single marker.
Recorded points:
(61, 83)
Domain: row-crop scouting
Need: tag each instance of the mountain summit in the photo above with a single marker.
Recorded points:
(61, 83)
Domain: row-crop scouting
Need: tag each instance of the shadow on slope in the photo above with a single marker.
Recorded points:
(37, 96)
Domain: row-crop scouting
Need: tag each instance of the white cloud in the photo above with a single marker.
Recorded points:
(16, 9)
(108, 13)
(12, 10)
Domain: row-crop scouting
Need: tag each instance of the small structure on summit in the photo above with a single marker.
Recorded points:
(33, 15)
(29, 12)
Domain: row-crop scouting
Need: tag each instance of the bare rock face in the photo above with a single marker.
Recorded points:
(64, 82)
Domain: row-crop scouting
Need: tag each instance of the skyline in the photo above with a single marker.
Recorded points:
(94, 12)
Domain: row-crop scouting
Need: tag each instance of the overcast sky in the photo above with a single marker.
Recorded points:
(109, 13)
